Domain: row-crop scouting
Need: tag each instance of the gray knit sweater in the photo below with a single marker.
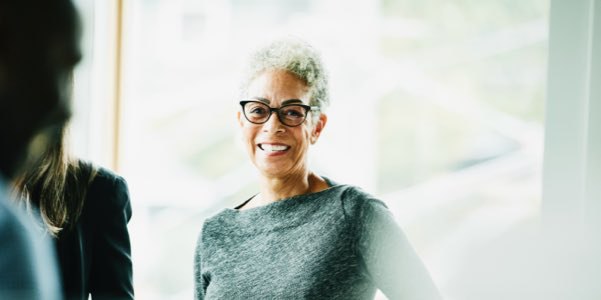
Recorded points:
(339, 243)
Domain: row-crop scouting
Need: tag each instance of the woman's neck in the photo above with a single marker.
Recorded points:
(273, 189)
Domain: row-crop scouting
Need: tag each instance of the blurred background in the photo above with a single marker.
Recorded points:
(437, 108)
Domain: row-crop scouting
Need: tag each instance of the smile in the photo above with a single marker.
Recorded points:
(273, 147)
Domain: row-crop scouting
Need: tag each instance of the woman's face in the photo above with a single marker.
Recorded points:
(275, 149)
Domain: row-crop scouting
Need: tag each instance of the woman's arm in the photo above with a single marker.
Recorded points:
(389, 258)
(111, 270)
(200, 281)
(198, 288)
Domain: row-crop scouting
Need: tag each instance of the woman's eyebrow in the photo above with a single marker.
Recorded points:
(261, 99)
(267, 101)
(291, 101)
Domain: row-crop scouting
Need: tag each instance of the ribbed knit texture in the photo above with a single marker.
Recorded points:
(339, 243)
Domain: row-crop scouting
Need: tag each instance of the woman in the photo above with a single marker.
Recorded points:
(86, 209)
(302, 236)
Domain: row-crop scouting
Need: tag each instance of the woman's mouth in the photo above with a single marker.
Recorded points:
(273, 147)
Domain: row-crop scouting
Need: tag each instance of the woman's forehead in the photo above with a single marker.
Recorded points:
(278, 86)
(283, 101)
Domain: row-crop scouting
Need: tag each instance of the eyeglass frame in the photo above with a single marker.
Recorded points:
(308, 108)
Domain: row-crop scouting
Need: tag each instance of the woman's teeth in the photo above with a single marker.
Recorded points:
(273, 148)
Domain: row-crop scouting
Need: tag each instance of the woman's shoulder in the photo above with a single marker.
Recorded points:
(103, 174)
(108, 187)
(104, 179)
(356, 202)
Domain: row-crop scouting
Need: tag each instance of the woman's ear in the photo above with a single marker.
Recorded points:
(318, 127)
(239, 117)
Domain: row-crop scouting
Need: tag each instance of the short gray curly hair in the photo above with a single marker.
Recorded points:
(297, 57)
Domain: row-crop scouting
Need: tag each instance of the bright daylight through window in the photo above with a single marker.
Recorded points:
(436, 107)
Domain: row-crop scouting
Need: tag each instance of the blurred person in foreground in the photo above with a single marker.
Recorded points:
(39, 47)
(303, 236)
(86, 210)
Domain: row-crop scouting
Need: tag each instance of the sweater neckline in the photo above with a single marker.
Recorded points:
(282, 203)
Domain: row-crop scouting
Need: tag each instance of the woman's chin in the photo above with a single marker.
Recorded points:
(272, 173)
(273, 170)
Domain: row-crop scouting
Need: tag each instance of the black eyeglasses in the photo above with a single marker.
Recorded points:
(290, 115)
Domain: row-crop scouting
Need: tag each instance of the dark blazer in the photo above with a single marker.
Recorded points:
(95, 255)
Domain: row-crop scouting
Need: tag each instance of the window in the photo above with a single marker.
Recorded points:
(437, 108)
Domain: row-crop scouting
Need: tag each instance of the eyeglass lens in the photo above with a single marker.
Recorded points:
(291, 115)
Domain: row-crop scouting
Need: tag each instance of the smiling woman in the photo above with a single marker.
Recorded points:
(278, 147)
(303, 236)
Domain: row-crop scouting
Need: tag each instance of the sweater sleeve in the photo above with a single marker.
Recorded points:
(391, 262)
(111, 276)
(199, 283)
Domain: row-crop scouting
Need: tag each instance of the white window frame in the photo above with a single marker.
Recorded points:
(572, 158)
(95, 125)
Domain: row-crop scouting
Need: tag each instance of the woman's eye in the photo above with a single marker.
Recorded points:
(294, 112)
(257, 110)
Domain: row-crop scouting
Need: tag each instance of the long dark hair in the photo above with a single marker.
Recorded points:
(56, 184)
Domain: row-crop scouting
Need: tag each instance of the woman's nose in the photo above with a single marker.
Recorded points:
(273, 124)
